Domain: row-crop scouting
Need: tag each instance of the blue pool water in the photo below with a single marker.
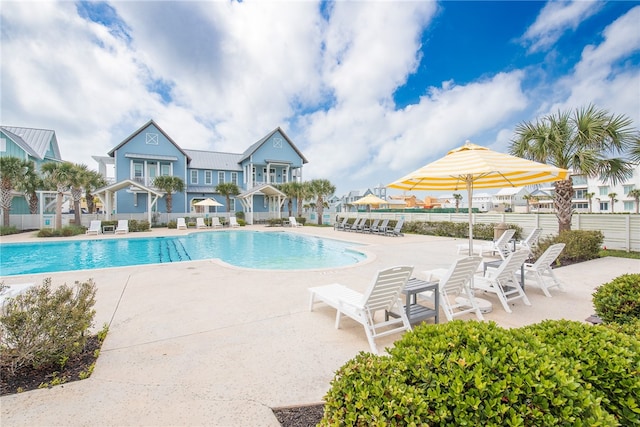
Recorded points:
(260, 250)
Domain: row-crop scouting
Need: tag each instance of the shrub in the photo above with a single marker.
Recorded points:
(44, 327)
(4, 231)
(619, 300)
(172, 224)
(631, 328)
(607, 361)
(239, 216)
(580, 245)
(67, 231)
(135, 225)
(462, 373)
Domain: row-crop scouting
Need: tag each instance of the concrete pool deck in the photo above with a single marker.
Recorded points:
(205, 343)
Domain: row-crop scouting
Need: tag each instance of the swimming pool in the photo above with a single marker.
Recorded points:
(249, 249)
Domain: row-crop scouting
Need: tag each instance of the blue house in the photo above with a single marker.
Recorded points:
(38, 145)
(150, 152)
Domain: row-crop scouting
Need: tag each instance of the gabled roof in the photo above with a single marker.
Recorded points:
(35, 142)
(214, 160)
(142, 128)
(254, 147)
(266, 189)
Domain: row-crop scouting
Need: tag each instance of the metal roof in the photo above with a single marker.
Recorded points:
(252, 149)
(35, 142)
(213, 160)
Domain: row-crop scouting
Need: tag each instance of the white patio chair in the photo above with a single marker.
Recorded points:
(503, 280)
(181, 224)
(233, 222)
(383, 294)
(123, 226)
(502, 245)
(456, 296)
(200, 223)
(530, 241)
(293, 222)
(215, 222)
(95, 227)
(542, 271)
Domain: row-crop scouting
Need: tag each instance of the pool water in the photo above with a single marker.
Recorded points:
(249, 249)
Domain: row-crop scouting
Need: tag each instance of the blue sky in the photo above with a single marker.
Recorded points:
(368, 91)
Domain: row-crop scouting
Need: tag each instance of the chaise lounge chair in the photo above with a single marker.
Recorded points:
(503, 281)
(95, 227)
(200, 223)
(233, 222)
(382, 294)
(341, 225)
(181, 224)
(542, 271)
(530, 241)
(456, 295)
(382, 229)
(215, 222)
(397, 230)
(293, 222)
(502, 245)
(123, 226)
(368, 228)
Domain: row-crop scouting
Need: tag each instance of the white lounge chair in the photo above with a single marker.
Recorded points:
(456, 295)
(382, 229)
(181, 224)
(397, 230)
(356, 224)
(233, 222)
(340, 225)
(502, 245)
(123, 226)
(542, 271)
(200, 223)
(530, 241)
(382, 294)
(95, 227)
(503, 281)
(368, 228)
(215, 222)
(293, 222)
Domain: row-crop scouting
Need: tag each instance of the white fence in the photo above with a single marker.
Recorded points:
(621, 231)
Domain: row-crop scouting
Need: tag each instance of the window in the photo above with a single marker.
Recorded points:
(604, 190)
(579, 180)
(194, 176)
(138, 172)
(165, 169)
(208, 177)
(253, 174)
(629, 206)
(234, 178)
(151, 138)
(580, 194)
(3, 145)
(232, 205)
(604, 206)
(220, 177)
(627, 188)
(581, 206)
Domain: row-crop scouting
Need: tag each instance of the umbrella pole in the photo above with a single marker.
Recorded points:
(470, 198)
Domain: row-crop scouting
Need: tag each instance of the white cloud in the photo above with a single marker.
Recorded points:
(556, 18)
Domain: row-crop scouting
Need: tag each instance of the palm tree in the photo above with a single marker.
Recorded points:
(228, 189)
(289, 190)
(589, 197)
(94, 181)
(612, 196)
(78, 182)
(321, 188)
(636, 196)
(458, 198)
(59, 175)
(586, 141)
(11, 172)
(303, 193)
(169, 184)
(30, 184)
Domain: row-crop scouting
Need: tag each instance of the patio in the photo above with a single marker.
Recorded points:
(205, 343)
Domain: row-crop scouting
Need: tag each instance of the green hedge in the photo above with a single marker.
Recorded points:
(476, 373)
(580, 245)
(619, 300)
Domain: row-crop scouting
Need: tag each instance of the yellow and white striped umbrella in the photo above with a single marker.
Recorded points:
(481, 167)
(370, 199)
(472, 166)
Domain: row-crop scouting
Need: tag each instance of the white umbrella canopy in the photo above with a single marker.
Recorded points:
(370, 199)
(208, 202)
(473, 166)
